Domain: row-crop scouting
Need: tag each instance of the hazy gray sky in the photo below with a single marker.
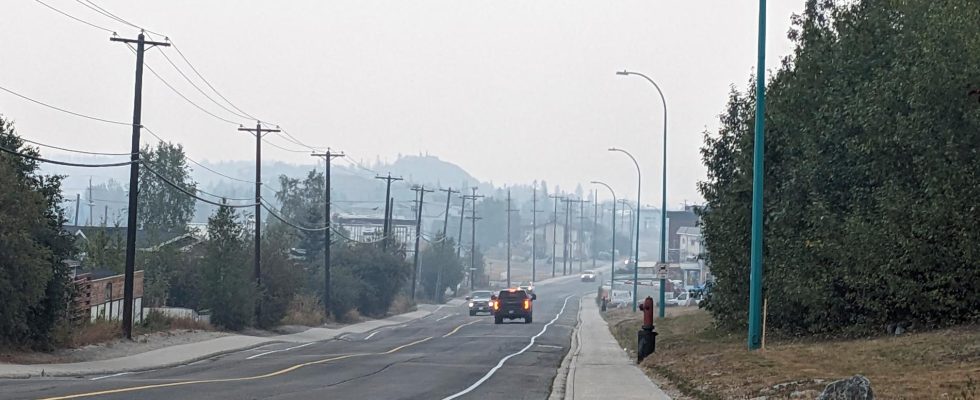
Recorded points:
(513, 91)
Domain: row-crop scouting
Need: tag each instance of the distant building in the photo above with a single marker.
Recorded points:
(366, 229)
(691, 243)
(676, 220)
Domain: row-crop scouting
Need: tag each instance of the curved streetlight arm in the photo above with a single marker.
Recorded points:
(636, 259)
(612, 265)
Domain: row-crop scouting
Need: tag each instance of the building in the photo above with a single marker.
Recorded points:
(676, 220)
(366, 229)
(691, 243)
(99, 295)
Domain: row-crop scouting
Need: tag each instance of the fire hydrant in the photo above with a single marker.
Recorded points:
(646, 338)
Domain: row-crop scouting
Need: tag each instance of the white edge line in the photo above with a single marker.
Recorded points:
(276, 351)
(372, 335)
(110, 376)
(503, 360)
(444, 317)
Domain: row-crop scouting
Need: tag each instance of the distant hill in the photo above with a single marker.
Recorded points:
(431, 171)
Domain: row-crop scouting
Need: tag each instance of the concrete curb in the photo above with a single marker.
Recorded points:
(66, 370)
(560, 385)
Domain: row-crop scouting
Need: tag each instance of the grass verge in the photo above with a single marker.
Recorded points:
(706, 363)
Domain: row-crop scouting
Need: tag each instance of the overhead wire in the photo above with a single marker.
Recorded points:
(65, 163)
(188, 79)
(280, 218)
(206, 82)
(112, 16)
(185, 191)
(73, 150)
(197, 163)
(76, 18)
(77, 114)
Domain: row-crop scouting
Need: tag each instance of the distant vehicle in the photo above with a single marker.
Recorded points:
(480, 301)
(588, 276)
(620, 298)
(527, 287)
(513, 304)
(683, 300)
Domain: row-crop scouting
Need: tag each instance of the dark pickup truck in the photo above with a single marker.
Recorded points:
(513, 304)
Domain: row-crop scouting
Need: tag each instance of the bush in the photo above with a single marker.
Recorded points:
(305, 310)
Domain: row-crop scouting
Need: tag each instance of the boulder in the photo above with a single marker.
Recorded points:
(856, 387)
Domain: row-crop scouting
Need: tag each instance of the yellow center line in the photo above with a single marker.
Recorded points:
(459, 327)
(246, 378)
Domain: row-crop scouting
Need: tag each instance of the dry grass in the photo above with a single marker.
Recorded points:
(93, 333)
(400, 305)
(709, 364)
(305, 310)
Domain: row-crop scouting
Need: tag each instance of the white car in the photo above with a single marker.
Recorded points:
(620, 298)
(684, 299)
(588, 276)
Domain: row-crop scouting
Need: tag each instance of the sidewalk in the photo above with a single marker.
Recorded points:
(597, 367)
(187, 353)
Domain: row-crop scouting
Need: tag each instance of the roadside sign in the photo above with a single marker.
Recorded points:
(662, 271)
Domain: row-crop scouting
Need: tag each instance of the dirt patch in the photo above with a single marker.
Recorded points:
(706, 363)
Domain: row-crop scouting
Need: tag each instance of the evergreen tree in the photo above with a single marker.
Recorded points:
(228, 290)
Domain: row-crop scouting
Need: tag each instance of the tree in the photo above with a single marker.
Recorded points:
(440, 256)
(281, 276)
(163, 208)
(226, 270)
(380, 275)
(105, 249)
(870, 179)
(34, 282)
(158, 271)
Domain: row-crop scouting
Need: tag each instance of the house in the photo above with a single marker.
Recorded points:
(675, 221)
(366, 228)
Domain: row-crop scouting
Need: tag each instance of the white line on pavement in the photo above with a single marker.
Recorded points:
(276, 351)
(371, 335)
(110, 376)
(509, 356)
(444, 317)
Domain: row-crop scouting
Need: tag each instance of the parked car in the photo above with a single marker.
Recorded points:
(683, 299)
(588, 275)
(480, 301)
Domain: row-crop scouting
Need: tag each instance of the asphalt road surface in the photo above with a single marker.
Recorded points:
(445, 355)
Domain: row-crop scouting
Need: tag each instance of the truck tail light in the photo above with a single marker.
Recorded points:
(496, 305)
(527, 304)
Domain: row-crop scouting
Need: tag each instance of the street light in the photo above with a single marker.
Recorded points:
(612, 271)
(755, 282)
(663, 197)
(636, 260)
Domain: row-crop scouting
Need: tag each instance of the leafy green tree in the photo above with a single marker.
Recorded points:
(159, 268)
(871, 173)
(105, 249)
(281, 276)
(228, 290)
(381, 275)
(34, 282)
(163, 208)
(440, 256)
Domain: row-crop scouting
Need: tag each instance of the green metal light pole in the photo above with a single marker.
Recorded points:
(636, 259)
(612, 271)
(663, 198)
(755, 283)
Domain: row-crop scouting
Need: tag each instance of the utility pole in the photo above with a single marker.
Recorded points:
(581, 234)
(78, 201)
(509, 210)
(474, 218)
(134, 170)
(445, 228)
(534, 233)
(421, 191)
(387, 224)
(105, 215)
(627, 206)
(595, 224)
(554, 235)
(566, 237)
(91, 212)
(327, 158)
(462, 217)
(258, 132)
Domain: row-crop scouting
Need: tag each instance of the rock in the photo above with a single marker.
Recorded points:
(899, 330)
(804, 394)
(856, 387)
(890, 329)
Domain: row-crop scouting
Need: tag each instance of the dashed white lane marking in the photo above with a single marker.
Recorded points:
(509, 356)
(110, 376)
(550, 346)
(444, 317)
(371, 335)
(276, 351)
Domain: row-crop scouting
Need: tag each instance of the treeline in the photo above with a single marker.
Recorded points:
(872, 176)
(215, 274)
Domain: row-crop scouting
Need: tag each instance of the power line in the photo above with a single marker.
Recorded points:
(185, 191)
(206, 82)
(197, 163)
(108, 121)
(181, 95)
(75, 151)
(188, 79)
(280, 218)
(65, 163)
(76, 18)
(115, 17)
(283, 148)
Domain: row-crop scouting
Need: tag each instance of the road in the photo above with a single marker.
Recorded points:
(445, 355)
